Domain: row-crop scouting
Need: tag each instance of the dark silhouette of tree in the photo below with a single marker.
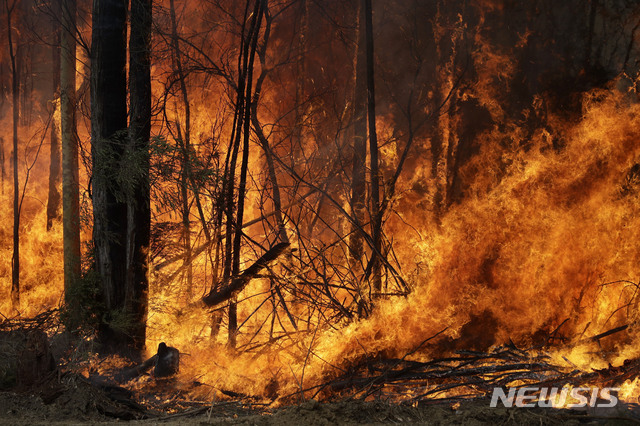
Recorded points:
(359, 169)
(376, 218)
(15, 56)
(54, 198)
(138, 200)
(70, 172)
(108, 142)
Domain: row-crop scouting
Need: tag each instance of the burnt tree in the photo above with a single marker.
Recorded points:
(376, 218)
(108, 141)
(70, 178)
(54, 198)
(138, 200)
(358, 183)
(15, 56)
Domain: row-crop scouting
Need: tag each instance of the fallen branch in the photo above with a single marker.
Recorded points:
(605, 334)
(216, 296)
(138, 370)
(478, 373)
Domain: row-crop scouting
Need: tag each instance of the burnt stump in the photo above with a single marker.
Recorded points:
(25, 358)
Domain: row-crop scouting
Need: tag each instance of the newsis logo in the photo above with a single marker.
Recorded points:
(529, 397)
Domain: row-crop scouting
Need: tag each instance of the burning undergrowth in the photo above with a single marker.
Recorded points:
(541, 255)
(509, 225)
(547, 254)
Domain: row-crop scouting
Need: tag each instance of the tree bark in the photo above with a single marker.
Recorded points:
(108, 137)
(70, 178)
(358, 176)
(54, 198)
(138, 205)
(376, 219)
(15, 59)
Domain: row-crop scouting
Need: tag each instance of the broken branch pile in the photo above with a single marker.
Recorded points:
(467, 375)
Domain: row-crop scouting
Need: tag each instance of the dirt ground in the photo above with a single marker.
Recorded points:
(80, 403)
(379, 413)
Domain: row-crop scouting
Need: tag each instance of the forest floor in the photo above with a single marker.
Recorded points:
(79, 402)
(62, 396)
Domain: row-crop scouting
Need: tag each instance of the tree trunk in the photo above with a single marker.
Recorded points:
(138, 206)
(70, 179)
(358, 183)
(445, 141)
(4, 94)
(249, 57)
(108, 137)
(376, 219)
(15, 59)
(53, 201)
(264, 142)
(301, 72)
(358, 173)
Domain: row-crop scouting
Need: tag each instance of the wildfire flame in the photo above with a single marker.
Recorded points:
(541, 249)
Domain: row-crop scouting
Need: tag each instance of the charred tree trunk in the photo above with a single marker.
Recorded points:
(54, 198)
(244, 165)
(239, 136)
(70, 179)
(301, 72)
(358, 180)
(229, 202)
(3, 96)
(269, 156)
(108, 137)
(376, 219)
(264, 142)
(15, 59)
(359, 162)
(444, 143)
(230, 289)
(138, 205)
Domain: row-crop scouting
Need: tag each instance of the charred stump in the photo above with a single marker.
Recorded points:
(167, 361)
(25, 358)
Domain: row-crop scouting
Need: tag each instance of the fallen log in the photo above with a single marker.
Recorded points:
(217, 296)
(133, 372)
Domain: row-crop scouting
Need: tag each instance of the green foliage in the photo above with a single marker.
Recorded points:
(120, 167)
(83, 311)
(167, 160)
(122, 322)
